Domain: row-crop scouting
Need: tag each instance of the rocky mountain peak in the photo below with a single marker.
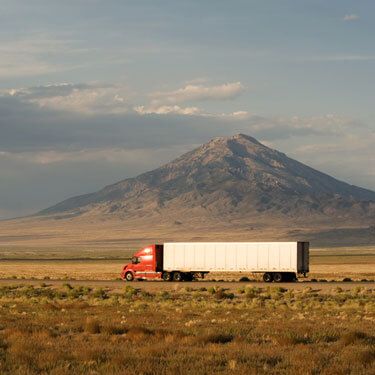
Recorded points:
(226, 177)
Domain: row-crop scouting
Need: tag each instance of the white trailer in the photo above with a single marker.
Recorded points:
(278, 261)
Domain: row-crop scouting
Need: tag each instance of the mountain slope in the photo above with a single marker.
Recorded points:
(235, 177)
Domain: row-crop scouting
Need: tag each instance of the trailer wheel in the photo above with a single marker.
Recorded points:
(267, 277)
(166, 276)
(278, 277)
(177, 276)
(129, 276)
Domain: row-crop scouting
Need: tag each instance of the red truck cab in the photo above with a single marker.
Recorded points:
(147, 263)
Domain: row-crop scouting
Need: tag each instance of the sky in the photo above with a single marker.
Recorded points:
(95, 91)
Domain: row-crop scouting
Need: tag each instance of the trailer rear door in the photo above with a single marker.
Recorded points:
(303, 257)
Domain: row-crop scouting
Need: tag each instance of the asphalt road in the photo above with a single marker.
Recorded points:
(154, 286)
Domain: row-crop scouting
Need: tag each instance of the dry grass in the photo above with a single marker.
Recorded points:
(257, 331)
(62, 269)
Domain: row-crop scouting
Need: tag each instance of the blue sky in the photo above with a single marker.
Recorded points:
(95, 91)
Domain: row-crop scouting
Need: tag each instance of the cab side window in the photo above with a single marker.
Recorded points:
(136, 260)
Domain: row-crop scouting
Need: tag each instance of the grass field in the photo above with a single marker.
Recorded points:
(187, 331)
(183, 329)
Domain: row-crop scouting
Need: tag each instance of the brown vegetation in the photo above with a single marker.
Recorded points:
(197, 331)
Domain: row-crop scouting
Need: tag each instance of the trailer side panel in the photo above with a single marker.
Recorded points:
(233, 256)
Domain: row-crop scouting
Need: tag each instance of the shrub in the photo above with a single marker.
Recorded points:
(100, 294)
(113, 330)
(291, 338)
(130, 291)
(364, 356)
(92, 326)
(347, 279)
(215, 338)
(138, 333)
(212, 290)
(349, 338)
(252, 292)
(244, 279)
(221, 294)
(146, 295)
(67, 286)
(279, 289)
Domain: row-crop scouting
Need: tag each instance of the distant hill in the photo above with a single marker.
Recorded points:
(234, 178)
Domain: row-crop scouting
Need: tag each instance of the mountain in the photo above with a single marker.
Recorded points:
(228, 179)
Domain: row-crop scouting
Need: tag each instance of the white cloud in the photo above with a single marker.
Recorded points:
(238, 115)
(189, 111)
(194, 92)
(85, 98)
(96, 98)
(351, 17)
(167, 109)
(169, 102)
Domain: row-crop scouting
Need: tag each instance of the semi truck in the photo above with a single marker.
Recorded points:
(179, 261)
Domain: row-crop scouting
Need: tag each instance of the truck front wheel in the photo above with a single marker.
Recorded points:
(166, 276)
(267, 277)
(129, 276)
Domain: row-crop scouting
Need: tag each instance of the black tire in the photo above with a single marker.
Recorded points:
(129, 276)
(278, 277)
(166, 276)
(267, 277)
(177, 276)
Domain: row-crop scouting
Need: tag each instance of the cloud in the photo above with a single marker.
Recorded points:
(86, 98)
(167, 109)
(169, 102)
(27, 125)
(351, 17)
(236, 115)
(189, 111)
(194, 92)
(98, 98)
